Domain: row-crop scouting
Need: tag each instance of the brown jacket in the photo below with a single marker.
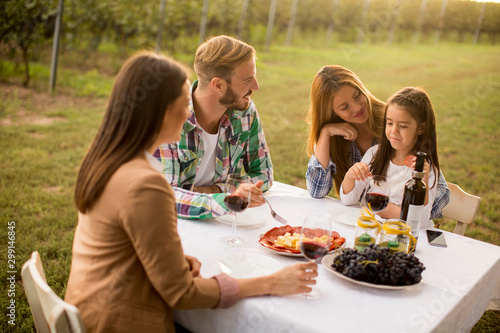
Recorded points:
(128, 269)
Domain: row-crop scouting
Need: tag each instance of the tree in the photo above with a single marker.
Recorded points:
(25, 24)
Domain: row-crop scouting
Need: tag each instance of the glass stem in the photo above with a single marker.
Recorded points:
(234, 226)
(313, 290)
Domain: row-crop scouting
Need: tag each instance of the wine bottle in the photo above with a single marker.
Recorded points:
(414, 197)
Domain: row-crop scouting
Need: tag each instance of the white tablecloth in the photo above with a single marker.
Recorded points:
(455, 290)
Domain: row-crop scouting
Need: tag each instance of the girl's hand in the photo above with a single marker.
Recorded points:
(294, 279)
(256, 198)
(359, 171)
(194, 264)
(427, 169)
(345, 130)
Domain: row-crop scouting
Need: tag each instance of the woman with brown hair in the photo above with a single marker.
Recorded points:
(128, 269)
(345, 121)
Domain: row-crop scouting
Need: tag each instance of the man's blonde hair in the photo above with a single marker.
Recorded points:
(219, 56)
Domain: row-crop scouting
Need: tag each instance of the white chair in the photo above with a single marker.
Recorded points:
(50, 313)
(462, 207)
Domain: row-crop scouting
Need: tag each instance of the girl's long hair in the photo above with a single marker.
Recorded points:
(417, 103)
(145, 86)
(325, 85)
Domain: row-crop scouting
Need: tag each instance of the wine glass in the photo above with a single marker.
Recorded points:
(376, 196)
(238, 188)
(315, 240)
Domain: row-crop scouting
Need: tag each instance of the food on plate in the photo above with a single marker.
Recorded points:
(286, 239)
(409, 160)
(379, 266)
(291, 241)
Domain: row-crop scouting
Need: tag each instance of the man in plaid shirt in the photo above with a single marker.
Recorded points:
(223, 135)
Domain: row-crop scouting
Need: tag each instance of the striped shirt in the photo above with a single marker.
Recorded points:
(241, 148)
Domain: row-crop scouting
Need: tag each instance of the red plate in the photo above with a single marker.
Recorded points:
(269, 237)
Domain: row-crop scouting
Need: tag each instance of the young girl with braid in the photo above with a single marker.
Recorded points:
(409, 126)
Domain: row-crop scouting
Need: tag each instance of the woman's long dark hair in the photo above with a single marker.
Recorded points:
(417, 103)
(146, 84)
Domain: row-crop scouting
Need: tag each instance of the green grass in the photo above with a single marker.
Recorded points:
(38, 160)
(462, 81)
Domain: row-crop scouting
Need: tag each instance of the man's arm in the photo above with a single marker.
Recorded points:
(195, 205)
(207, 189)
(189, 204)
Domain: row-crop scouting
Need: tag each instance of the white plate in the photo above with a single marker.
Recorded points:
(249, 217)
(289, 254)
(348, 214)
(286, 254)
(267, 240)
(345, 214)
(247, 265)
(327, 262)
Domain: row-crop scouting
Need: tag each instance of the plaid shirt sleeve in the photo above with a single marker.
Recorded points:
(319, 180)
(257, 160)
(442, 198)
(190, 205)
(194, 205)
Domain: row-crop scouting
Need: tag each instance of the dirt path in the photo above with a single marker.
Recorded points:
(21, 106)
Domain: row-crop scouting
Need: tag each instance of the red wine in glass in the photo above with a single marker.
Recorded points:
(377, 201)
(237, 200)
(313, 243)
(236, 203)
(376, 195)
(313, 250)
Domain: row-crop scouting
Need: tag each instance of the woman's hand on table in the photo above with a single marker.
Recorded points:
(195, 265)
(294, 279)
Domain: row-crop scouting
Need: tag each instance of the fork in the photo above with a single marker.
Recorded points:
(274, 214)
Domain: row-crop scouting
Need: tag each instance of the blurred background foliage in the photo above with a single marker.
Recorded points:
(134, 24)
(38, 161)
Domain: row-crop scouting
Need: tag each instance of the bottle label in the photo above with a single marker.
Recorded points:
(413, 218)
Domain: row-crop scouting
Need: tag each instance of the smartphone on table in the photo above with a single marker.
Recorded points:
(436, 238)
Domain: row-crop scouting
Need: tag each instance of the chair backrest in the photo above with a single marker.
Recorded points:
(462, 207)
(50, 312)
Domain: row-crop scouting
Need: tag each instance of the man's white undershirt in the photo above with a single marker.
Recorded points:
(206, 171)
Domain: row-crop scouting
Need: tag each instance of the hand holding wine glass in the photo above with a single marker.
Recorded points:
(315, 241)
(239, 189)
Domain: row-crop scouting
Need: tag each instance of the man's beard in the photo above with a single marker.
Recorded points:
(230, 100)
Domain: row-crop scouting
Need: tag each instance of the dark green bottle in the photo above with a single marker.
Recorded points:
(414, 197)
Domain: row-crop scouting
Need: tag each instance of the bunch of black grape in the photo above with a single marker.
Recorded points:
(377, 265)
